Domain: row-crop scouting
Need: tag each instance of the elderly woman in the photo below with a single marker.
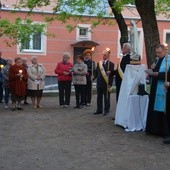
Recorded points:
(36, 81)
(80, 81)
(64, 70)
(17, 83)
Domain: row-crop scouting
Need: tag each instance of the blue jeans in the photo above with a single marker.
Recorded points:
(6, 97)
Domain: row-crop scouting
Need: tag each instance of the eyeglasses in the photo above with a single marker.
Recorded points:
(158, 52)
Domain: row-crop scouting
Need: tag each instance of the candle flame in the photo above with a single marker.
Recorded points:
(108, 49)
(2, 66)
(20, 71)
(165, 44)
(92, 49)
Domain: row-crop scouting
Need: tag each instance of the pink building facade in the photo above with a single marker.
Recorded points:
(50, 49)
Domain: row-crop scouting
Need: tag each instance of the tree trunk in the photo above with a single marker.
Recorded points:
(146, 10)
(121, 23)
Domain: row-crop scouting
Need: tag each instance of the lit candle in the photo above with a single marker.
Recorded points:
(2, 66)
(20, 71)
(92, 49)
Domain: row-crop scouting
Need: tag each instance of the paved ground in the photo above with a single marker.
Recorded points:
(54, 138)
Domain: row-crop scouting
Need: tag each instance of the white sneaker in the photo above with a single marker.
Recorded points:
(66, 105)
(6, 107)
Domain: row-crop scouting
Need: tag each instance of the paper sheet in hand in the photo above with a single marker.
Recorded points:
(149, 72)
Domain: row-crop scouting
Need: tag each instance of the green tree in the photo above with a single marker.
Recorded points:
(64, 10)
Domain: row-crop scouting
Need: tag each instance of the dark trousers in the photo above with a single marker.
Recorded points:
(64, 88)
(1, 91)
(88, 92)
(102, 92)
(167, 117)
(7, 92)
(80, 94)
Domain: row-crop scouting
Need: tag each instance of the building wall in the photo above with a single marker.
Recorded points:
(104, 35)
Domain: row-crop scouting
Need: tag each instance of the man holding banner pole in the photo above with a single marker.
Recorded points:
(104, 74)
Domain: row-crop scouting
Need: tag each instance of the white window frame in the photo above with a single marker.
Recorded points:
(165, 32)
(30, 51)
(141, 39)
(87, 36)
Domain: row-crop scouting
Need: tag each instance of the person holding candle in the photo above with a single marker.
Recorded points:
(90, 70)
(36, 81)
(17, 83)
(2, 64)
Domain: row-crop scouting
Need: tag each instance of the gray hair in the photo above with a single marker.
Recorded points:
(33, 57)
(128, 46)
(9, 59)
(66, 55)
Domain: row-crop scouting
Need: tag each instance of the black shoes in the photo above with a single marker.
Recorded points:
(78, 107)
(97, 113)
(105, 114)
(26, 103)
(20, 108)
(166, 141)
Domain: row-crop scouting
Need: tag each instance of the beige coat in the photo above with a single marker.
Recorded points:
(33, 71)
(79, 74)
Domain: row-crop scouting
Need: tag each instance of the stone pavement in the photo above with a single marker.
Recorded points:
(53, 138)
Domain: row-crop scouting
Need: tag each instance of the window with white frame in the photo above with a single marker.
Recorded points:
(140, 38)
(83, 32)
(166, 38)
(36, 44)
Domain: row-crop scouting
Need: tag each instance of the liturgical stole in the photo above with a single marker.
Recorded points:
(159, 104)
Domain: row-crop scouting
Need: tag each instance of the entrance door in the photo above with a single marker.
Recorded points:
(78, 50)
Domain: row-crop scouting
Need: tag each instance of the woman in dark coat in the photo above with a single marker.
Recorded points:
(17, 83)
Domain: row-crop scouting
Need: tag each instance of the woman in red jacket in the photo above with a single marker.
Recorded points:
(64, 72)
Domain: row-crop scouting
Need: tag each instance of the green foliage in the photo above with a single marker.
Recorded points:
(19, 31)
(64, 10)
(31, 4)
(70, 28)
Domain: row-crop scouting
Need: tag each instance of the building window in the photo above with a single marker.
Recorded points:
(166, 38)
(83, 32)
(36, 44)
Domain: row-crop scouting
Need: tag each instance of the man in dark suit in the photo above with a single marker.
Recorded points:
(104, 74)
(126, 48)
(2, 64)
